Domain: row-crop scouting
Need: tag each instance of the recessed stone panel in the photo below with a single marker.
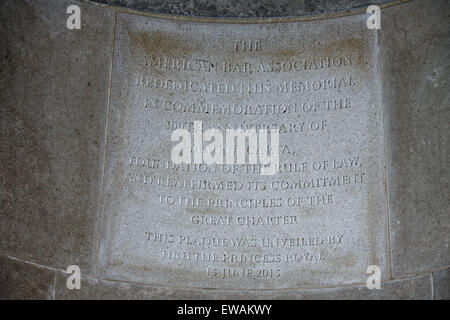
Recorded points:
(22, 281)
(319, 221)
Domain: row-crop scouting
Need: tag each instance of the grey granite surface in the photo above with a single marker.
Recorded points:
(53, 91)
(415, 42)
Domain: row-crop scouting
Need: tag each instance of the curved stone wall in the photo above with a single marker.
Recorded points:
(86, 118)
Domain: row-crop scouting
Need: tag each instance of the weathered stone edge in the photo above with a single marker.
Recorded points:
(422, 286)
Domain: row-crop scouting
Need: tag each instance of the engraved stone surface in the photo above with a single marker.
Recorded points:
(319, 221)
(441, 285)
(415, 94)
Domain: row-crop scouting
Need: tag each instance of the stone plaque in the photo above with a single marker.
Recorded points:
(320, 221)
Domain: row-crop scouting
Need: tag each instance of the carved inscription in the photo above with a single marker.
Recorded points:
(226, 225)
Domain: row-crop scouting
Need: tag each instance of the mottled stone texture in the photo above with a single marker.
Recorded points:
(415, 72)
(242, 9)
(19, 280)
(53, 87)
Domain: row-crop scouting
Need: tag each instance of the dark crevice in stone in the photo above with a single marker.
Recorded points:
(243, 9)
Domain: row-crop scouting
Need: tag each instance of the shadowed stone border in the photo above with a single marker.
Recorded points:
(243, 9)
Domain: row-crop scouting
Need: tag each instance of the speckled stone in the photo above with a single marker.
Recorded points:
(415, 49)
(326, 243)
(53, 85)
(23, 281)
(441, 284)
(242, 9)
